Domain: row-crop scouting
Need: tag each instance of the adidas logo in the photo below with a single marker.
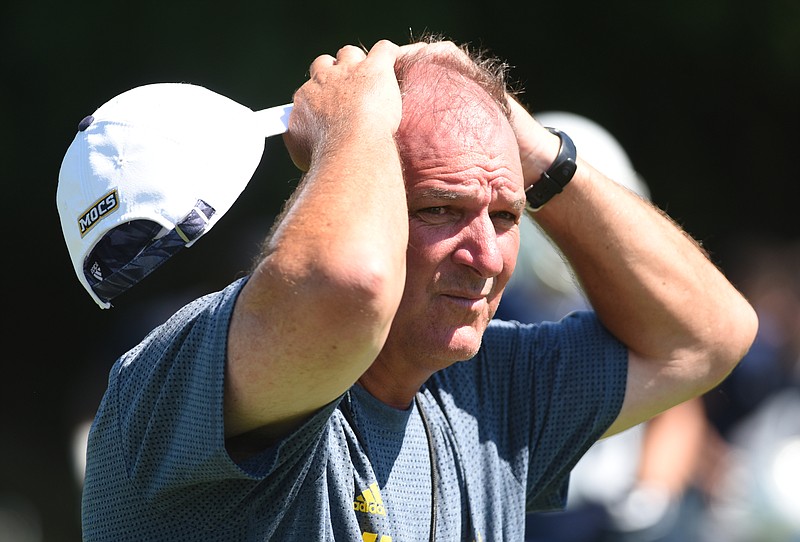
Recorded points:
(96, 272)
(370, 501)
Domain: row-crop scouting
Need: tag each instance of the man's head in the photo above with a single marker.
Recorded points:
(465, 195)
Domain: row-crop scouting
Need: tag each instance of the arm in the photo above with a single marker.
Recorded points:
(317, 309)
(685, 325)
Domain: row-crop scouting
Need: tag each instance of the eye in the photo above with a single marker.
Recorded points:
(435, 214)
(433, 211)
(505, 219)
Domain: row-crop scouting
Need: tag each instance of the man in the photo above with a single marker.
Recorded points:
(352, 387)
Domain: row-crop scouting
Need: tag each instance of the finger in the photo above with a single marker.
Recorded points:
(384, 51)
(321, 62)
(350, 53)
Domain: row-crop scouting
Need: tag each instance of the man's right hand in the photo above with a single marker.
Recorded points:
(354, 91)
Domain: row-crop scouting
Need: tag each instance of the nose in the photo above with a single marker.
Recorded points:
(479, 249)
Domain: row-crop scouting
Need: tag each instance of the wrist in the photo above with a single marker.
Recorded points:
(548, 152)
(538, 147)
(557, 175)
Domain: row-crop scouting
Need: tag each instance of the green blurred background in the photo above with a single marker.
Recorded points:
(702, 95)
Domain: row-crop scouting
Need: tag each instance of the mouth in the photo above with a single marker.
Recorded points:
(468, 301)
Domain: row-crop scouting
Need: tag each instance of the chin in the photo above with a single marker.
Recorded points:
(445, 343)
(464, 355)
(465, 343)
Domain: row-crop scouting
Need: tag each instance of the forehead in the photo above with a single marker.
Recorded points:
(474, 147)
(452, 128)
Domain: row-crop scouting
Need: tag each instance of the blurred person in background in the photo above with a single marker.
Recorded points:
(637, 485)
(752, 454)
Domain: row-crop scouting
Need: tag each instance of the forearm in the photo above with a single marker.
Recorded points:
(340, 246)
(318, 307)
(686, 327)
(348, 216)
(650, 283)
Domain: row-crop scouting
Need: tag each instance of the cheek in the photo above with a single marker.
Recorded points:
(416, 255)
(509, 247)
(419, 265)
(424, 249)
(425, 254)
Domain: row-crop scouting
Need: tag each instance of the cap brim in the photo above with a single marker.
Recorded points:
(274, 120)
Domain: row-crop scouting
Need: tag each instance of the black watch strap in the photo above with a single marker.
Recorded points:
(557, 176)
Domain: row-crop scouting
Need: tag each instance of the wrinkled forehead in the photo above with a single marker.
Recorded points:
(457, 130)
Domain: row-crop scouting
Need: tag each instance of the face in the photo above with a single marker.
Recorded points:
(466, 198)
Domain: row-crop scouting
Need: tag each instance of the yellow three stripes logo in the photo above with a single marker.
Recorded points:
(370, 501)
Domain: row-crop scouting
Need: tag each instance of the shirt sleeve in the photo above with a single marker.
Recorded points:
(166, 399)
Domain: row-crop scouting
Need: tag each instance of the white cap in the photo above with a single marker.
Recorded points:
(150, 172)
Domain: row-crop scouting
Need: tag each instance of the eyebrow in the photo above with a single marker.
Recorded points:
(451, 195)
(442, 193)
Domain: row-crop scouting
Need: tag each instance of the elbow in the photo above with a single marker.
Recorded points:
(361, 301)
(362, 291)
(370, 286)
(733, 340)
(352, 284)
(749, 330)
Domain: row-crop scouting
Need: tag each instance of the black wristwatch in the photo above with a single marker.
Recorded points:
(557, 176)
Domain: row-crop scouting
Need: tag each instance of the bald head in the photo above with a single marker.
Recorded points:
(422, 68)
(449, 95)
